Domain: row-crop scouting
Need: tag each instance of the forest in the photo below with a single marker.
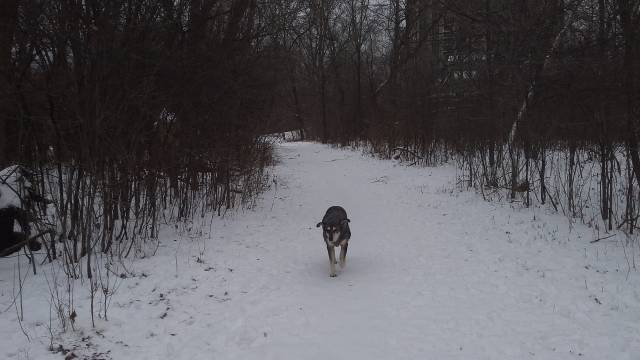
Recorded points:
(122, 108)
(123, 115)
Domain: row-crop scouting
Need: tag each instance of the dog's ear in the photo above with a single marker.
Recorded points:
(319, 224)
(345, 222)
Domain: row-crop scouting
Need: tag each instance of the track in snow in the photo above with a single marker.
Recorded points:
(431, 273)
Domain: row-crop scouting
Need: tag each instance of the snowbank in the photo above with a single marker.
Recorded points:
(432, 273)
(11, 183)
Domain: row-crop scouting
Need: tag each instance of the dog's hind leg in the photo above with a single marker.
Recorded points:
(343, 255)
(332, 261)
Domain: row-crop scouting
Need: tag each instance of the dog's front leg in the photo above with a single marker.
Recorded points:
(343, 255)
(332, 260)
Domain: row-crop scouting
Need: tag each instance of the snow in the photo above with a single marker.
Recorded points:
(432, 272)
(9, 187)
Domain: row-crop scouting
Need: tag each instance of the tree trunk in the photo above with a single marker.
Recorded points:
(629, 29)
(8, 18)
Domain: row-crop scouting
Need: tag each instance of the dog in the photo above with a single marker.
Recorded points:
(336, 232)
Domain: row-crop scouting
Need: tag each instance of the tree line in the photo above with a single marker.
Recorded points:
(127, 110)
(538, 99)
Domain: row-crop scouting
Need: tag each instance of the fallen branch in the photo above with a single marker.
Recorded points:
(22, 243)
(602, 238)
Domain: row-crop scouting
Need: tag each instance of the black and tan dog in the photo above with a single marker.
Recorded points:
(336, 232)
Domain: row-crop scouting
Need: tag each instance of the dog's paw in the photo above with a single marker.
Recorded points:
(333, 275)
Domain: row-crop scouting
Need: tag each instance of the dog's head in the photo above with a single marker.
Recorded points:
(331, 231)
(342, 223)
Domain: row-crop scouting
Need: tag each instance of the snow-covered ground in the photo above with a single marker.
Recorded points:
(432, 273)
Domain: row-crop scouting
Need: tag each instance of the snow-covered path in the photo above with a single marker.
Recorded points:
(432, 273)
